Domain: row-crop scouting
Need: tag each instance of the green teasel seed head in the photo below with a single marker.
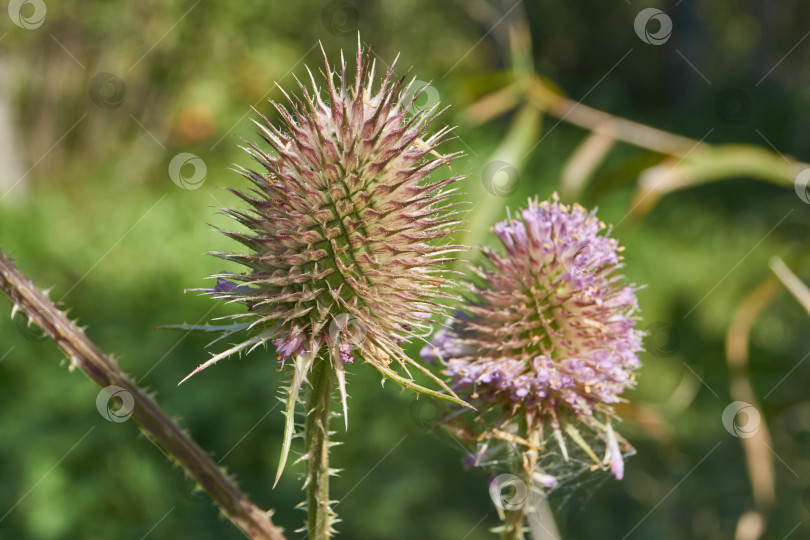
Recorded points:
(347, 236)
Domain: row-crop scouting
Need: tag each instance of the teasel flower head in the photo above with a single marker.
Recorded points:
(346, 235)
(548, 332)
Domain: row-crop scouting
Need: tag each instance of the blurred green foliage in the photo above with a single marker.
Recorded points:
(102, 224)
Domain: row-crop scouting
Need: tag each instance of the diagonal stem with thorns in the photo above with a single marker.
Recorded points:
(84, 354)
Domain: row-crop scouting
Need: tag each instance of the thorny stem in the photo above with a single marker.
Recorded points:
(85, 355)
(320, 515)
(514, 517)
(525, 464)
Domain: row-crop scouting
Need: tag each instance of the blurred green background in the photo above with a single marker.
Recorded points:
(96, 98)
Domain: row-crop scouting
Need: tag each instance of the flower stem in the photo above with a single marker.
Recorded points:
(525, 465)
(320, 515)
(515, 514)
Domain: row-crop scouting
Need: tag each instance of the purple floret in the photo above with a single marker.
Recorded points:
(550, 329)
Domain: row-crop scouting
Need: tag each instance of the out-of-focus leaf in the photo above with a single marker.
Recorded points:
(792, 282)
(474, 88)
(582, 163)
(501, 175)
(710, 164)
(546, 96)
(491, 106)
(756, 445)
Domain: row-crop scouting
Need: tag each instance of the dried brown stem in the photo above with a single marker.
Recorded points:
(85, 355)
(757, 454)
(607, 124)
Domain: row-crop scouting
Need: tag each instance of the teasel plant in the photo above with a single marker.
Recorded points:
(348, 237)
(544, 344)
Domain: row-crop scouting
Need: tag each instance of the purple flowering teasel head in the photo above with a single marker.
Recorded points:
(346, 235)
(549, 330)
